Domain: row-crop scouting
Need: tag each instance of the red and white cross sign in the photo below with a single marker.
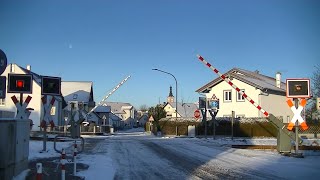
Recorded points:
(297, 115)
(22, 112)
(46, 111)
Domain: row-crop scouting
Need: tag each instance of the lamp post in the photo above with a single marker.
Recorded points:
(176, 95)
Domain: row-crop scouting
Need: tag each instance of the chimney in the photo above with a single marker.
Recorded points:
(12, 68)
(29, 67)
(278, 80)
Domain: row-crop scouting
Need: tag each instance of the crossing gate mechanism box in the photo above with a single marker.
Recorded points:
(14, 147)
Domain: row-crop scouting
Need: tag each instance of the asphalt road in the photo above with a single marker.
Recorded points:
(136, 156)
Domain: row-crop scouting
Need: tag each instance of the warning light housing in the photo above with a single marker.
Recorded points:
(20, 83)
(51, 85)
(298, 88)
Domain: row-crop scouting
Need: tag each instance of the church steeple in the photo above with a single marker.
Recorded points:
(170, 93)
(170, 98)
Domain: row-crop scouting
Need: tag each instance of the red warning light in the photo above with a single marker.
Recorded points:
(20, 83)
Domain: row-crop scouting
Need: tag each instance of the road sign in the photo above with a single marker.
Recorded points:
(297, 115)
(202, 102)
(22, 112)
(50, 85)
(214, 98)
(20, 83)
(213, 104)
(46, 111)
(196, 114)
(3, 61)
(298, 88)
(151, 118)
(3, 88)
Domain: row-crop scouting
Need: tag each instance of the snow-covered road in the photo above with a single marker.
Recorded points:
(136, 155)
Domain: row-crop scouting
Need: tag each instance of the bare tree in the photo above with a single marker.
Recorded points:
(143, 108)
(315, 87)
(316, 82)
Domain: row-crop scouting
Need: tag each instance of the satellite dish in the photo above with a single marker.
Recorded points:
(3, 61)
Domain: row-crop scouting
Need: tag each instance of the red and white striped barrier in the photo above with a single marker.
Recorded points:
(39, 171)
(297, 114)
(232, 85)
(75, 150)
(63, 163)
(21, 109)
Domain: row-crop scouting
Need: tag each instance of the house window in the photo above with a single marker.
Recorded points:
(2, 102)
(239, 97)
(227, 96)
(75, 96)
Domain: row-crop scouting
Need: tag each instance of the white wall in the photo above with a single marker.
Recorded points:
(240, 108)
(277, 106)
(170, 111)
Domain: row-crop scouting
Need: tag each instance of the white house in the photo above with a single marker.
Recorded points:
(7, 105)
(125, 111)
(268, 92)
(79, 92)
(104, 115)
(185, 110)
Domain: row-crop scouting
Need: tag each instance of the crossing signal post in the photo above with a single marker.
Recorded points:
(20, 83)
(297, 89)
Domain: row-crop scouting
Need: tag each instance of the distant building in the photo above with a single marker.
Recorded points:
(79, 93)
(170, 98)
(125, 111)
(268, 92)
(104, 115)
(184, 109)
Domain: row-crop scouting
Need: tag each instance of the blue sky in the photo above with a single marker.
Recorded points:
(105, 41)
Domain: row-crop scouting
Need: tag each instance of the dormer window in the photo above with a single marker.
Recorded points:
(75, 96)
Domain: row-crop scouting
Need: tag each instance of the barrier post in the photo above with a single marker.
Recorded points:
(39, 171)
(63, 163)
(75, 158)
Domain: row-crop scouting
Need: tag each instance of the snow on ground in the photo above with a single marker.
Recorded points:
(101, 165)
(36, 147)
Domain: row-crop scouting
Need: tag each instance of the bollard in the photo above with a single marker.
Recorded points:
(63, 163)
(39, 171)
(75, 158)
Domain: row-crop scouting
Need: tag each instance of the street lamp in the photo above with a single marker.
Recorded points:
(176, 95)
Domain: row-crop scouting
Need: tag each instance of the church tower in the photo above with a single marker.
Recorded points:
(170, 98)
